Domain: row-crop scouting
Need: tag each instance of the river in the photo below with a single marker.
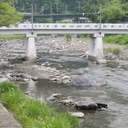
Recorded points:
(115, 94)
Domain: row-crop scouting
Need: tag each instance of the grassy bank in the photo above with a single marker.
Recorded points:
(118, 39)
(12, 36)
(31, 113)
(115, 51)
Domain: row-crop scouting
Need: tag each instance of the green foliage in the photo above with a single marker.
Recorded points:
(65, 120)
(45, 20)
(34, 109)
(7, 86)
(11, 98)
(31, 113)
(113, 12)
(14, 36)
(68, 37)
(8, 15)
(125, 8)
(65, 21)
(118, 39)
(112, 64)
(108, 49)
(115, 51)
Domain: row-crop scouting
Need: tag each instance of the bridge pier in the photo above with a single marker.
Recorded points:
(96, 47)
(30, 53)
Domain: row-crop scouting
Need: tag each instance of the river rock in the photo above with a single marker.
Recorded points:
(57, 95)
(50, 98)
(16, 75)
(88, 81)
(101, 61)
(54, 96)
(77, 114)
(68, 102)
(86, 103)
(66, 79)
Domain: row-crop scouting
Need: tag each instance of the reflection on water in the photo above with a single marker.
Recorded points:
(115, 94)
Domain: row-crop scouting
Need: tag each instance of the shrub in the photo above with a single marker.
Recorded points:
(68, 37)
(108, 50)
(118, 39)
(115, 51)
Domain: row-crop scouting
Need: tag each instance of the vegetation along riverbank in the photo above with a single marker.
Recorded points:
(31, 113)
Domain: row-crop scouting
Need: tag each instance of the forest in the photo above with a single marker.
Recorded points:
(112, 10)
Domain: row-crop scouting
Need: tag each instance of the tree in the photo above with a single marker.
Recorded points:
(113, 12)
(8, 15)
(125, 8)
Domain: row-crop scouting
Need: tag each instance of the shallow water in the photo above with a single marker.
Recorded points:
(115, 94)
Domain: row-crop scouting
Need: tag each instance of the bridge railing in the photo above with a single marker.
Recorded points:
(74, 26)
(68, 26)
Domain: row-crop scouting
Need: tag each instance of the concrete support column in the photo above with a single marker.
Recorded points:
(30, 53)
(96, 47)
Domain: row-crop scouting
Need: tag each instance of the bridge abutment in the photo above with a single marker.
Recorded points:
(30, 53)
(96, 47)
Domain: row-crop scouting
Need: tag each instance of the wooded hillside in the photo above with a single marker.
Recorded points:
(112, 10)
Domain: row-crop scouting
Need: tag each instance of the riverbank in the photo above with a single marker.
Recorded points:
(30, 112)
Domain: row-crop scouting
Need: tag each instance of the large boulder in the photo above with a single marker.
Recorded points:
(86, 103)
(88, 81)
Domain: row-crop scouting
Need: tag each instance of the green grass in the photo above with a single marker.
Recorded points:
(31, 113)
(115, 51)
(118, 39)
(68, 37)
(12, 36)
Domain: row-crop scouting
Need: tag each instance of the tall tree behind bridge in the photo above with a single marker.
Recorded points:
(113, 12)
(8, 15)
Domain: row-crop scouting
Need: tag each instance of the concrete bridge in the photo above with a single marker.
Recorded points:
(96, 32)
